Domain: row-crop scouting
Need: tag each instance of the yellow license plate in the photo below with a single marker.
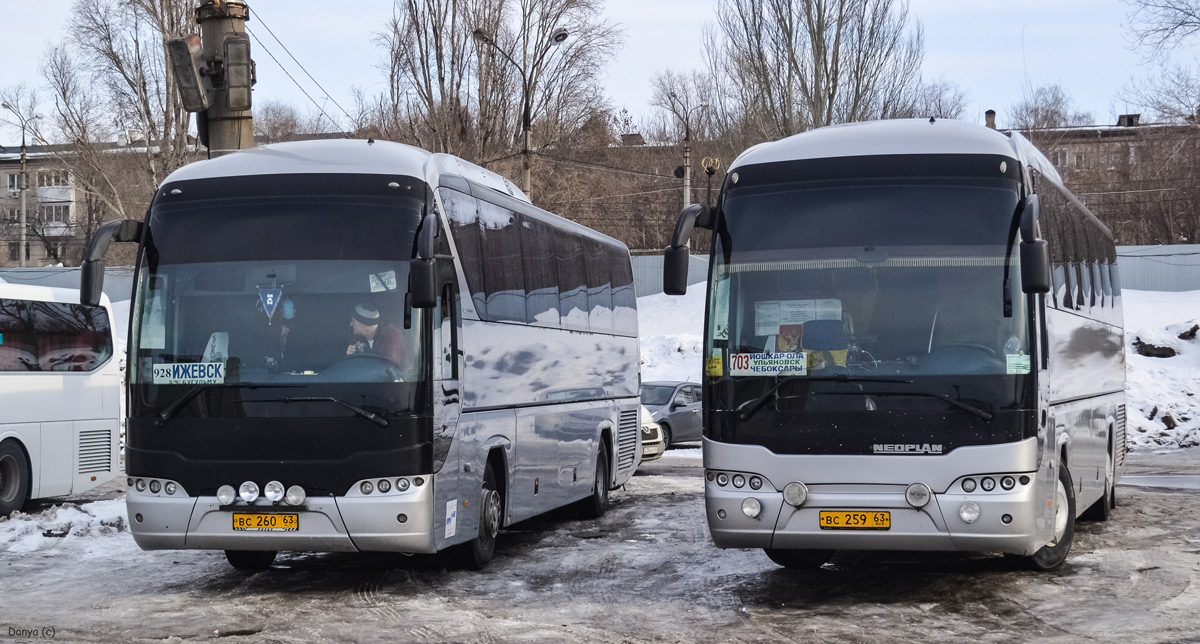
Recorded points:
(266, 522)
(859, 520)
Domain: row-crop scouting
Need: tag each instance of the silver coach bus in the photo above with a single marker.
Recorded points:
(913, 342)
(361, 346)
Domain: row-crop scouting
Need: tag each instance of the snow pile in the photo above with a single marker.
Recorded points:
(93, 529)
(671, 330)
(1163, 409)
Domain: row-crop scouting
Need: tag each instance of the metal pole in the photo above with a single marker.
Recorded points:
(527, 161)
(228, 130)
(687, 174)
(24, 188)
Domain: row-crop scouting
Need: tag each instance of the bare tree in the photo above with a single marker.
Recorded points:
(1044, 108)
(800, 64)
(1162, 25)
(939, 98)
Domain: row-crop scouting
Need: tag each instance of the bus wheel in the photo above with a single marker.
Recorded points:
(1101, 510)
(596, 505)
(14, 478)
(476, 553)
(250, 559)
(799, 559)
(1051, 555)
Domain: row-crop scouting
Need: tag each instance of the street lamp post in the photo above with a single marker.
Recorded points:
(24, 181)
(687, 150)
(527, 86)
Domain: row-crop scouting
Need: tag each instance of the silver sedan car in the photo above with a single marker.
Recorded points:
(675, 406)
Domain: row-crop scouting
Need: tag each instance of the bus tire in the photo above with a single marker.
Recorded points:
(596, 505)
(1051, 555)
(1101, 510)
(14, 477)
(799, 559)
(478, 552)
(250, 559)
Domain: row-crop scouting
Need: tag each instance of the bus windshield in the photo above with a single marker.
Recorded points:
(282, 299)
(868, 278)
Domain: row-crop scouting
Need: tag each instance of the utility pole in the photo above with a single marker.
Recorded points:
(214, 72)
(24, 182)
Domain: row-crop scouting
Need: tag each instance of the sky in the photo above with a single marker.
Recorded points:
(993, 49)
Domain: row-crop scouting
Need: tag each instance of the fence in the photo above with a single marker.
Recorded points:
(1160, 268)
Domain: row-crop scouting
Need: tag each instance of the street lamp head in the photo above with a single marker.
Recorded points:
(704, 105)
(481, 36)
(6, 106)
(559, 36)
(39, 115)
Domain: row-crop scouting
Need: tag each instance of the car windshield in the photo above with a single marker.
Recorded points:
(656, 395)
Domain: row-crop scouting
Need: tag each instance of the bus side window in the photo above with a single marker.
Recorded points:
(503, 272)
(462, 213)
(541, 279)
(18, 349)
(599, 282)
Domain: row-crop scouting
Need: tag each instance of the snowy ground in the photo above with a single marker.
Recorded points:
(1163, 409)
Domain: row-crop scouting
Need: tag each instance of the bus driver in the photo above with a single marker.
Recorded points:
(373, 336)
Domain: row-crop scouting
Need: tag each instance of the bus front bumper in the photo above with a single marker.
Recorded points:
(1006, 520)
(397, 522)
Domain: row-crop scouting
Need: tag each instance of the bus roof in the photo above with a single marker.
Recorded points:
(44, 294)
(344, 156)
(897, 137)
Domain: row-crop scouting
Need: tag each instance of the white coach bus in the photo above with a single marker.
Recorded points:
(914, 342)
(358, 345)
(60, 390)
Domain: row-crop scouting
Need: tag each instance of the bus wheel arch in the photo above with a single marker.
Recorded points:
(16, 476)
(1101, 510)
(478, 552)
(1054, 553)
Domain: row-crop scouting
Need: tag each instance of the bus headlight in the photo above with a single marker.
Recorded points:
(140, 485)
(402, 484)
(795, 494)
(273, 491)
(968, 512)
(384, 486)
(170, 488)
(248, 491)
(751, 508)
(367, 487)
(155, 486)
(295, 495)
(918, 495)
(226, 494)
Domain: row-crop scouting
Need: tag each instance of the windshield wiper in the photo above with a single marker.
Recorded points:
(178, 403)
(985, 415)
(750, 408)
(369, 415)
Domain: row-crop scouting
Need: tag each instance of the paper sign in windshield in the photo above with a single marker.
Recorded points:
(1018, 364)
(770, 316)
(768, 364)
(190, 373)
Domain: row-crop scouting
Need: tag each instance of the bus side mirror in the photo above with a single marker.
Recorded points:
(422, 274)
(91, 269)
(1035, 255)
(675, 257)
(1035, 266)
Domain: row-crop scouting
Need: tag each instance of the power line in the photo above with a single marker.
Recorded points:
(285, 72)
(601, 166)
(289, 53)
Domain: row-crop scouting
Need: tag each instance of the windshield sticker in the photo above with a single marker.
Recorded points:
(270, 300)
(720, 313)
(770, 317)
(1018, 364)
(714, 366)
(217, 348)
(768, 364)
(383, 282)
(190, 373)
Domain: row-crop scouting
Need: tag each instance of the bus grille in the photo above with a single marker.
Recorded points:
(95, 451)
(627, 440)
(1120, 444)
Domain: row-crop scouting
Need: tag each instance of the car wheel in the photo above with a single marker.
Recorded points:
(250, 559)
(799, 559)
(666, 436)
(14, 478)
(1051, 555)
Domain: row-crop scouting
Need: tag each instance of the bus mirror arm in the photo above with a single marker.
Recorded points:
(91, 269)
(1035, 255)
(675, 257)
